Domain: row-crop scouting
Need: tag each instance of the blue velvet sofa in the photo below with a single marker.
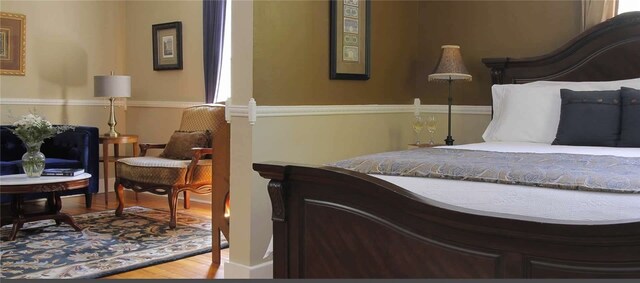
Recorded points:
(76, 148)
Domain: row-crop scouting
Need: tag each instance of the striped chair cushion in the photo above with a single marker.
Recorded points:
(162, 171)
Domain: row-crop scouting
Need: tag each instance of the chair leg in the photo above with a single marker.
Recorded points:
(119, 189)
(215, 248)
(187, 200)
(173, 203)
(88, 197)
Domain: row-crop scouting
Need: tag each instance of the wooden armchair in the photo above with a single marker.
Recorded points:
(164, 176)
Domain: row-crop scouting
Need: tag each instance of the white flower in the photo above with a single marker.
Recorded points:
(33, 129)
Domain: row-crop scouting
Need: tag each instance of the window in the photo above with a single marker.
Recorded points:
(628, 6)
(224, 85)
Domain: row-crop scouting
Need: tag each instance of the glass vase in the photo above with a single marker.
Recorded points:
(33, 160)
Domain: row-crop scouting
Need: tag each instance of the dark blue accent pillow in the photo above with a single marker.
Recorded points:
(589, 118)
(630, 117)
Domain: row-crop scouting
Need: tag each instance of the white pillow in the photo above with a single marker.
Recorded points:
(497, 94)
(531, 112)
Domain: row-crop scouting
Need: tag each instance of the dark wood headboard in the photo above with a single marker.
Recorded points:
(608, 51)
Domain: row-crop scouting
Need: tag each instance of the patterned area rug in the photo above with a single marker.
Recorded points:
(107, 244)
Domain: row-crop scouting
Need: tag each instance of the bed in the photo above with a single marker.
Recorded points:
(330, 222)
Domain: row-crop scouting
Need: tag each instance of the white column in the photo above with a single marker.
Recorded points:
(250, 225)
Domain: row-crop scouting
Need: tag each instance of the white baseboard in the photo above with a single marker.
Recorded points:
(234, 270)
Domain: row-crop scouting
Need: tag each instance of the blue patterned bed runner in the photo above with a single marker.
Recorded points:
(552, 170)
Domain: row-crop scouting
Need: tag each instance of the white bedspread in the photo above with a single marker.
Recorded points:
(529, 203)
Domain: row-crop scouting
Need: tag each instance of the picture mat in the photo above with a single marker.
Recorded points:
(162, 60)
(349, 66)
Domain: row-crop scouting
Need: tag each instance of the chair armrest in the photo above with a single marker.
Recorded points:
(202, 151)
(145, 146)
(198, 152)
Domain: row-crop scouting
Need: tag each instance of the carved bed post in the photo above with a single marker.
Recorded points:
(277, 192)
(497, 65)
(278, 216)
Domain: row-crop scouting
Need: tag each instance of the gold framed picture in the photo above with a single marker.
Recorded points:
(349, 39)
(13, 39)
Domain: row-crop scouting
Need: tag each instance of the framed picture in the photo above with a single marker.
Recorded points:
(350, 39)
(167, 46)
(13, 39)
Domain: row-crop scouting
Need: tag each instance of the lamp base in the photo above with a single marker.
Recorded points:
(112, 134)
(112, 120)
(449, 140)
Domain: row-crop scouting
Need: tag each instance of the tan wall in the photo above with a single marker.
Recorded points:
(95, 116)
(68, 42)
(488, 29)
(291, 55)
(157, 124)
(291, 48)
(153, 125)
(170, 85)
(321, 139)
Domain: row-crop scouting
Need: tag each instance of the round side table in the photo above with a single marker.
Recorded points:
(19, 184)
(106, 158)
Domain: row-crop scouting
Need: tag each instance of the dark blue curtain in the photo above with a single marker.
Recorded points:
(213, 36)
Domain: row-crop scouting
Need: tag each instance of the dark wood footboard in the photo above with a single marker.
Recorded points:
(334, 223)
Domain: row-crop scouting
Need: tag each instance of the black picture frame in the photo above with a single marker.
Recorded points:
(167, 46)
(349, 59)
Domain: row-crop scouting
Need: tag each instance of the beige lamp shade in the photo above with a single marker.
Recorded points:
(112, 86)
(450, 65)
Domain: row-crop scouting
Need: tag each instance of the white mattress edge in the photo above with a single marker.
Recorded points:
(515, 201)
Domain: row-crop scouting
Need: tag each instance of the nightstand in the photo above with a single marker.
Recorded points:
(413, 145)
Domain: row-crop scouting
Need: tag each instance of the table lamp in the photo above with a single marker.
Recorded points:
(450, 68)
(112, 87)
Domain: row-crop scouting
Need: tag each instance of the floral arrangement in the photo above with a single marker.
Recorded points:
(33, 129)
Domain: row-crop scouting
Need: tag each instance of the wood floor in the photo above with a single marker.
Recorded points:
(195, 267)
